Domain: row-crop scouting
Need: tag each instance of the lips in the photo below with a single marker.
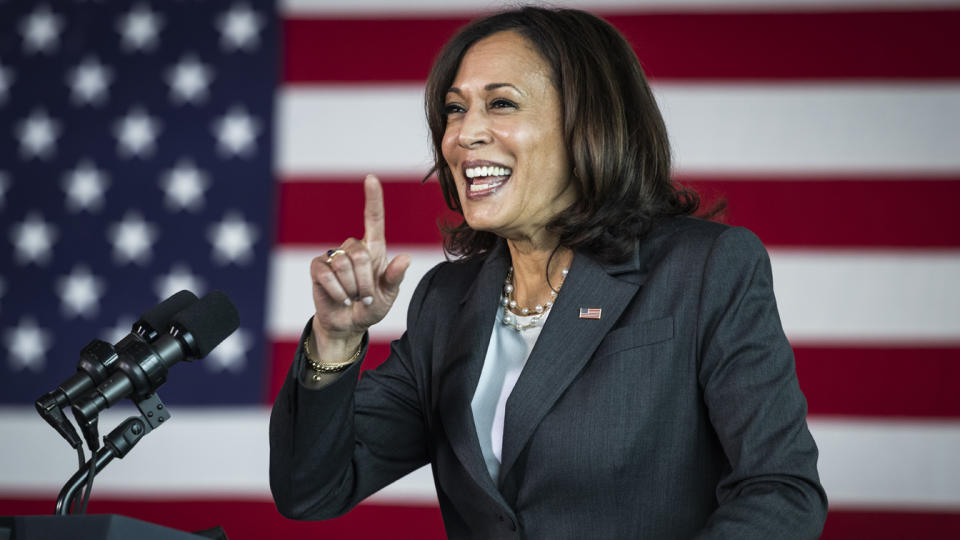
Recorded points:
(484, 177)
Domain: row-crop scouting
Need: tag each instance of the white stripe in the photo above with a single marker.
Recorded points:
(898, 464)
(714, 128)
(876, 297)
(224, 452)
(377, 8)
(202, 452)
(215, 450)
(352, 130)
(835, 296)
(813, 128)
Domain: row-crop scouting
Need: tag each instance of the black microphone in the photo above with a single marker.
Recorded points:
(142, 367)
(158, 318)
(98, 358)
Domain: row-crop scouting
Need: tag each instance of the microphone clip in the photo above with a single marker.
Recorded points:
(153, 413)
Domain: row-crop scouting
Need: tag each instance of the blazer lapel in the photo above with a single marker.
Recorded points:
(462, 363)
(565, 345)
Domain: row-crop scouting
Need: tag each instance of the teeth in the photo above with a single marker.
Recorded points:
(476, 172)
(483, 187)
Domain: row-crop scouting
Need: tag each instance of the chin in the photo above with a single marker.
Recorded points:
(480, 223)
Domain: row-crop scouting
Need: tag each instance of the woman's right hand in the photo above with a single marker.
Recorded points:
(356, 288)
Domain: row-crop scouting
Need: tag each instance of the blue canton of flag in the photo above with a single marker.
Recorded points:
(135, 161)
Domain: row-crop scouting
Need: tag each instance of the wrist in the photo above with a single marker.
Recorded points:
(324, 347)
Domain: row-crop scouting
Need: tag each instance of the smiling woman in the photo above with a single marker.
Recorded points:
(502, 112)
(596, 364)
(585, 86)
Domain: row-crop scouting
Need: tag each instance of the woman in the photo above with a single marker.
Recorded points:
(596, 364)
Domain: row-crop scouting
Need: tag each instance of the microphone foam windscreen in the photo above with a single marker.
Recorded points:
(210, 321)
(159, 316)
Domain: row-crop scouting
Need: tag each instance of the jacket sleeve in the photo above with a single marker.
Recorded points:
(749, 383)
(332, 447)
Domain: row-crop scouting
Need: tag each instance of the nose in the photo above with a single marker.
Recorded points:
(474, 129)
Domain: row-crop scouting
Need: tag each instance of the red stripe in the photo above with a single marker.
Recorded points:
(837, 381)
(328, 212)
(370, 49)
(257, 519)
(281, 356)
(878, 525)
(249, 520)
(875, 381)
(806, 45)
(793, 212)
(847, 212)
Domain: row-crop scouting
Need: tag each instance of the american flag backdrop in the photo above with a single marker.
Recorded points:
(150, 146)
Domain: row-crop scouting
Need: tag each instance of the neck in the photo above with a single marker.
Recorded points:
(530, 270)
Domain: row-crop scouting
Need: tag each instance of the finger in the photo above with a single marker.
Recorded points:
(327, 282)
(373, 220)
(362, 269)
(342, 266)
(394, 273)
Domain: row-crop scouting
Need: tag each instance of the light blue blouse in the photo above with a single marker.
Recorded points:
(506, 355)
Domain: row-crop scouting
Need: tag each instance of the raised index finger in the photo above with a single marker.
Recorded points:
(373, 211)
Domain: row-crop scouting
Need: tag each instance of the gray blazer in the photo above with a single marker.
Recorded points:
(677, 414)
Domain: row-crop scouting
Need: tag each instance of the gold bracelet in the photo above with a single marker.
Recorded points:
(320, 368)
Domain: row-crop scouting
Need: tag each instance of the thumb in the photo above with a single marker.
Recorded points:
(393, 274)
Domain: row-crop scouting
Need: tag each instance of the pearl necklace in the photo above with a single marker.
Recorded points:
(537, 312)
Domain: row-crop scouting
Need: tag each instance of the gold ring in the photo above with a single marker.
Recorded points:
(333, 253)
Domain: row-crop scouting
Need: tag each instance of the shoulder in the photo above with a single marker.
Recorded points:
(697, 239)
(450, 277)
(691, 230)
(444, 284)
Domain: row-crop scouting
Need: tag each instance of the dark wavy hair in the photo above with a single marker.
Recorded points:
(613, 131)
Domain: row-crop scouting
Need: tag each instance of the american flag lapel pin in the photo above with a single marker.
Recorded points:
(590, 313)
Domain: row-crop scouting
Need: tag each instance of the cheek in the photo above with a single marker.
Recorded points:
(448, 145)
(551, 152)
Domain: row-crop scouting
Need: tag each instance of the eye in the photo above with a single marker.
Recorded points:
(502, 103)
(452, 108)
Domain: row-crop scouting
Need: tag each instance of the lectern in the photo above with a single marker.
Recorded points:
(86, 527)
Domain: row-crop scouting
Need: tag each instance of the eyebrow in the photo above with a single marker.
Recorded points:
(491, 86)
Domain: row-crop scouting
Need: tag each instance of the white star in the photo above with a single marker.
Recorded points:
(236, 132)
(6, 79)
(240, 28)
(136, 133)
(139, 28)
(232, 239)
(38, 135)
(89, 81)
(85, 187)
(180, 278)
(118, 331)
(184, 186)
(80, 293)
(188, 80)
(132, 239)
(27, 345)
(231, 353)
(41, 30)
(4, 186)
(33, 239)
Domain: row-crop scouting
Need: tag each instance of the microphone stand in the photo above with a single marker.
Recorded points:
(117, 444)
